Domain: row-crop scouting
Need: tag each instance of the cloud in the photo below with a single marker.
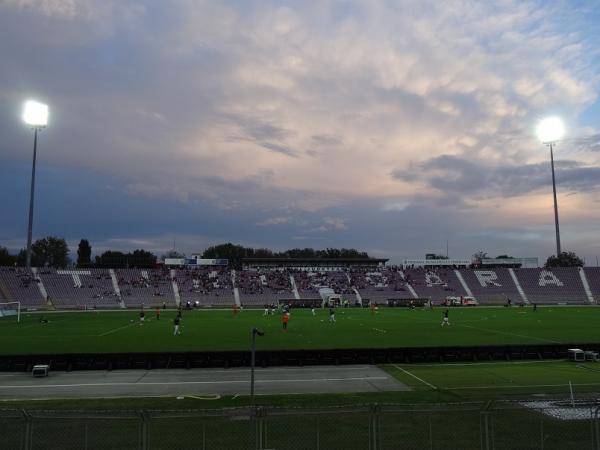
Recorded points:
(276, 221)
(300, 110)
(66, 9)
(475, 178)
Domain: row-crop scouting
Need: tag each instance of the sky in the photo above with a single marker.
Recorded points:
(395, 127)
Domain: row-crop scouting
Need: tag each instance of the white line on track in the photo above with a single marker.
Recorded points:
(520, 386)
(498, 363)
(116, 329)
(259, 370)
(414, 376)
(165, 383)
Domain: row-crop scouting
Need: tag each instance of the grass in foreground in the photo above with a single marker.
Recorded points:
(206, 330)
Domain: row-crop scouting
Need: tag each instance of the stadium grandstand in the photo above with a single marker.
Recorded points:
(255, 286)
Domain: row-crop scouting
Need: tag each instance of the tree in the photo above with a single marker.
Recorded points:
(234, 253)
(50, 251)
(111, 259)
(564, 259)
(173, 254)
(435, 256)
(84, 253)
(141, 259)
(6, 259)
(480, 255)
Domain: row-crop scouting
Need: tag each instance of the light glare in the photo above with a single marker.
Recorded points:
(550, 130)
(35, 114)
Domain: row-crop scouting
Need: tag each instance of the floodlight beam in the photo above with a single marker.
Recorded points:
(35, 114)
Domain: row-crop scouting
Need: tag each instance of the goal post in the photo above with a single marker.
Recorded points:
(11, 309)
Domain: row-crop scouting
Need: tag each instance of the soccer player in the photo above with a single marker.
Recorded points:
(535, 307)
(313, 311)
(445, 320)
(157, 313)
(285, 318)
(235, 309)
(142, 317)
(266, 313)
(372, 306)
(331, 315)
(176, 323)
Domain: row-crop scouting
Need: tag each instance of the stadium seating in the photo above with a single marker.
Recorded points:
(557, 285)
(593, 277)
(309, 283)
(380, 285)
(80, 288)
(96, 288)
(205, 286)
(20, 285)
(491, 286)
(258, 288)
(435, 284)
(148, 287)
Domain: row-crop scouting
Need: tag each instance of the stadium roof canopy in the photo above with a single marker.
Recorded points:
(312, 262)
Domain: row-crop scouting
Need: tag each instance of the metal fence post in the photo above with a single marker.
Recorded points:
(542, 429)
(485, 432)
(318, 431)
(597, 431)
(430, 431)
(374, 427)
(259, 414)
(28, 432)
(144, 431)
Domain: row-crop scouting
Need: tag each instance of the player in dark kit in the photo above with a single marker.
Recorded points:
(331, 315)
(176, 323)
(445, 320)
(142, 317)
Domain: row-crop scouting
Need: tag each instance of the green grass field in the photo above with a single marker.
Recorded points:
(106, 332)
(412, 419)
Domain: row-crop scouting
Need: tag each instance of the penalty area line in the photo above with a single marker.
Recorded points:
(414, 376)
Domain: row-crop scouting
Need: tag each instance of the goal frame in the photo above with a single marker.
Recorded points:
(18, 308)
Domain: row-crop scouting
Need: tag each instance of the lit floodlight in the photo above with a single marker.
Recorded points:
(550, 130)
(35, 114)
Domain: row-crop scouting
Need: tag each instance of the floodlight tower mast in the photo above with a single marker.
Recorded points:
(36, 116)
(550, 131)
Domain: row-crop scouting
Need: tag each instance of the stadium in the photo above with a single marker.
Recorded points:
(387, 348)
(335, 142)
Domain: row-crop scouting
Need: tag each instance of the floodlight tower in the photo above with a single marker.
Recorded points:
(550, 131)
(36, 116)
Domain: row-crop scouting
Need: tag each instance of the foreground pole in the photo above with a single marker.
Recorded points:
(31, 200)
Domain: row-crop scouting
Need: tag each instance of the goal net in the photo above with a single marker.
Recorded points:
(11, 309)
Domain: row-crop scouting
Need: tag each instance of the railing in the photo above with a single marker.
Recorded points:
(542, 424)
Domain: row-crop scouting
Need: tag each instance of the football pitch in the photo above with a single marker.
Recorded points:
(221, 330)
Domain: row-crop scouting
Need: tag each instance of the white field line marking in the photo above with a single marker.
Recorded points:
(509, 333)
(166, 383)
(116, 329)
(493, 331)
(499, 363)
(414, 376)
(519, 386)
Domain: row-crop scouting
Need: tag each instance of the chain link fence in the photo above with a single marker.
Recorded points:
(488, 426)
